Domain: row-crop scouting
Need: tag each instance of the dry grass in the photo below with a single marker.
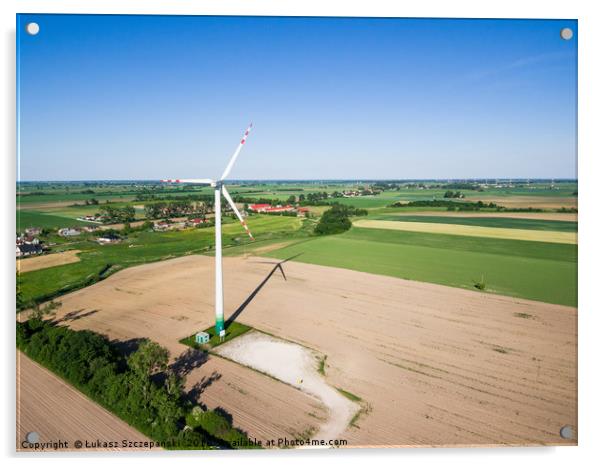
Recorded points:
(567, 217)
(469, 230)
(49, 260)
(539, 202)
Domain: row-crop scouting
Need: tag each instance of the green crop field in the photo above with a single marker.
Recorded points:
(496, 222)
(540, 271)
(29, 218)
(143, 247)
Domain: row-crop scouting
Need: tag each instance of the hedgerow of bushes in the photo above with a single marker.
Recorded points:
(129, 387)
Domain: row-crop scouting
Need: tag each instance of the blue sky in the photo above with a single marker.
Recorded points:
(149, 97)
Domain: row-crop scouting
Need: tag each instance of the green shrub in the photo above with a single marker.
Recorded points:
(217, 424)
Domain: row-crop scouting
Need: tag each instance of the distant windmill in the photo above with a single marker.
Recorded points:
(219, 190)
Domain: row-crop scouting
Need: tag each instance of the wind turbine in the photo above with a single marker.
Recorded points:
(219, 190)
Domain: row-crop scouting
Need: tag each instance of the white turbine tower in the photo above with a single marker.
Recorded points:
(219, 190)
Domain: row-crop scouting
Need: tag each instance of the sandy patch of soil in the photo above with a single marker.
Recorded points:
(296, 366)
(470, 230)
(49, 260)
(57, 411)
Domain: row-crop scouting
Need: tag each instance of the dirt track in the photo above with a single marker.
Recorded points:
(58, 412)
(434, 365)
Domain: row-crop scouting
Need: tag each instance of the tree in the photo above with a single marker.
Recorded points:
(128, 213)
(334, 220)
(174, 384)
(39, 312)
(149, 359)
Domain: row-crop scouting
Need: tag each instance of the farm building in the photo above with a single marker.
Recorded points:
(69, 232)
(109, 238)
(26, 249)
(165, 225)
(24, 239)
(91, 218)
(280, 208)
(162, 226)
(196, 221)
(259, 207)
(33, 231)
(268, 208)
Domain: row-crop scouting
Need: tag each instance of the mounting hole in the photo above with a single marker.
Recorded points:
(566, 33)
(32, 437)
(566, 432)
(32, 28)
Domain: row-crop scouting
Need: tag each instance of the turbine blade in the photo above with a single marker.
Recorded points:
(242, 220)
(236, 152)
(191, 180)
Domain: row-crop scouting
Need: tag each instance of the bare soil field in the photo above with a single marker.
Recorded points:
(540, 202)
(48, 260)
(433, 365)
(146, 303)
(271, 247)
(470, 230)
(567, 217)
(58, 412)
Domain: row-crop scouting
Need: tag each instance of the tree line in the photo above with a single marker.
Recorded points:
(142, 389)
(463, 206)
(177, 208)
(112, 214)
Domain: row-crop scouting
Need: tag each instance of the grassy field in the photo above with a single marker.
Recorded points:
(527, 269)
(26, 219)
(143, 247)
(493, 222)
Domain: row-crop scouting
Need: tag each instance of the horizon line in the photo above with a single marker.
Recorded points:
(473, 179)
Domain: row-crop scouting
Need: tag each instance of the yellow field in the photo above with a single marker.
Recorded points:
(50, 260)
(561, 216)
(469, 230)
